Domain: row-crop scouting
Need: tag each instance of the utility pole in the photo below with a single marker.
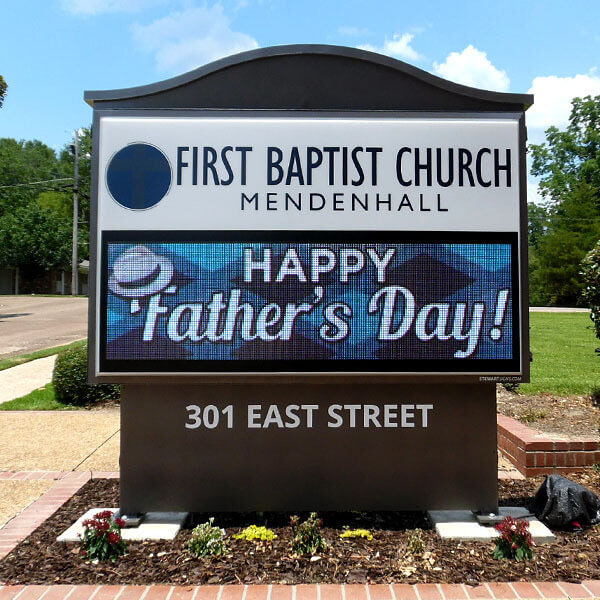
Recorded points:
(75, 257)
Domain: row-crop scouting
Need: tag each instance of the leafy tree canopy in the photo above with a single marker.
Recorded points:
(570, 156)
(3, 88)
(34, 238)
(24, 162)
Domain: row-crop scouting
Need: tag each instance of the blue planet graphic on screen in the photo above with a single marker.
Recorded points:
(138, 176)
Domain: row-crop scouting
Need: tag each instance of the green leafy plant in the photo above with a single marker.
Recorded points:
(515, 540)
(70, 380)
(357, 533)
(207, 540)
(254, 532)
(306, 536)
(591, 292)
(101, 538)
(415, 544)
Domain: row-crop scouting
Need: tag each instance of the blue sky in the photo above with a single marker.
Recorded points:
(53, 50)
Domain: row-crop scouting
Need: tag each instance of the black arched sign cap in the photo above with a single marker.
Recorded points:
(310, 77)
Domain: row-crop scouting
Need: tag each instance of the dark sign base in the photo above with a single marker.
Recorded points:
(447, 459)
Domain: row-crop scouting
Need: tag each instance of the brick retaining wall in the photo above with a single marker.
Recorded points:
(534, 453)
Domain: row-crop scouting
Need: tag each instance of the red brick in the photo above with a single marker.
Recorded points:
(330, 592)
(538, 471)
(589, 459)
(376, 592)
(10, 591)
(132, 592)
(549, 590)
(59, 592)
(429, 591)
(525, 590)
(183, 593)
(453, 591)
(531, 459)
(501, 590)
(305, 592)
(280, 592)
(561, 460)
(574, 590)
(593, 586)
(540, 445)
(33, 592)
(158, 592)
(590, 445)
(206, 592)
(576, 445)
(560, 445)
(353, 591)
(257, 592)
(403, 591)
(550, 459)
(83, 592)
(478, 591)
(107, 592)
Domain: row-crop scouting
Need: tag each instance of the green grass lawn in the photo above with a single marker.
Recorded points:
(13, 361)
(564, 361)
(42, 399)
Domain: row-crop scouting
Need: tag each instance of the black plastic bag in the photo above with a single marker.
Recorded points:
(564, 504)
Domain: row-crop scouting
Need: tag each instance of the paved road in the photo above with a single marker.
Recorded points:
(29, 323)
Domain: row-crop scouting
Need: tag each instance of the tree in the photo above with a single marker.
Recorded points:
(33, 239)
(568, 164)
(66, 165)
(570, 156)
(555, 256)
(3, 88)
(24, 162)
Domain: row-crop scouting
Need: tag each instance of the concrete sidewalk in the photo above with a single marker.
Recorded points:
(21, 380)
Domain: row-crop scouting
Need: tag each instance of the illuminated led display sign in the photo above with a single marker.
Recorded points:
(308, 245)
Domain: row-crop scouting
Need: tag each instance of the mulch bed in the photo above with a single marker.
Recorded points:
(571, 417)
(41, 560)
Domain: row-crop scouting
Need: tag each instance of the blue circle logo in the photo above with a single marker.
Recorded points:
(138, 176)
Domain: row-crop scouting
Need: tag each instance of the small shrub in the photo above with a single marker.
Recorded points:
(254, 532)
(307, 537)
(515, 540)
(357, 533)
(70, 380)
(207, 540)
(591, 291)
(101, 538)
(415, 544)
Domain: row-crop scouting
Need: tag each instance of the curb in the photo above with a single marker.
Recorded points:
(419, 591)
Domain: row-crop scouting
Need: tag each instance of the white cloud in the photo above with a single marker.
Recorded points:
(189, 38)
(398, 47)
(352, 31)
(96, 7)
(472, 67)
(552, 102)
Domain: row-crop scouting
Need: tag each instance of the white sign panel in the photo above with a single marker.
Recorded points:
(410, 174)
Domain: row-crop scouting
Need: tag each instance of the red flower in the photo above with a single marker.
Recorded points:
(119, 522)
(113, 538)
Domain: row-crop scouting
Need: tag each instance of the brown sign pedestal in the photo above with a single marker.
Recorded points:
(429, 456)
(254, 416)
